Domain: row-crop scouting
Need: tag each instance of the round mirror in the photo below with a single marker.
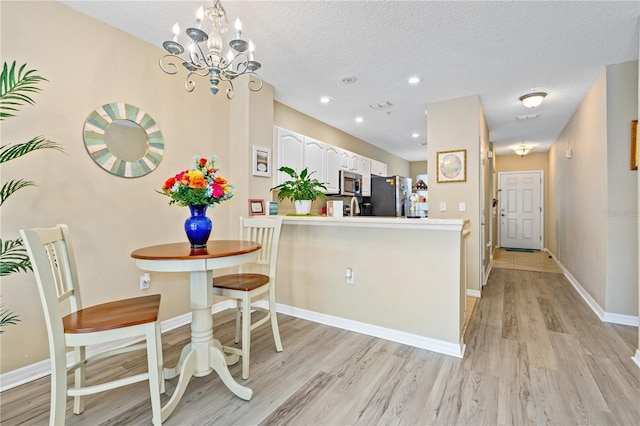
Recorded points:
(123, 140)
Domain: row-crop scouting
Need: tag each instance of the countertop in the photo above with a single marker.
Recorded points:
(378, 222)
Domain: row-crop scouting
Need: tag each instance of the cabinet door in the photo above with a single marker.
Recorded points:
(365, 171)
(332, 169)
(354, 163)
(290, 152)
(314, 158)
(378, 168)
(345, 160)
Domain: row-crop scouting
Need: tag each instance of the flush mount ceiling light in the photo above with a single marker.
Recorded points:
(523, 150)
(533, 99)
(239, 59)
(326, 99)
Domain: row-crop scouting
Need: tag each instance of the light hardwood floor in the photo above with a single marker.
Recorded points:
(536, 354)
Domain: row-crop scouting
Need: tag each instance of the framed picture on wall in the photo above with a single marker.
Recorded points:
(256, 207)
(452, 166)
(261, 161)
(634, 145)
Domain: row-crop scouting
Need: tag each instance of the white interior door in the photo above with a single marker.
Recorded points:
(520, 207)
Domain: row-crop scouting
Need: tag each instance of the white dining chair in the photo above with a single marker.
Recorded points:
(52, 258)
(246, 286)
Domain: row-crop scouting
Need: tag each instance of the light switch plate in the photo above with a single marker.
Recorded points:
(463, 206)
(443, 206)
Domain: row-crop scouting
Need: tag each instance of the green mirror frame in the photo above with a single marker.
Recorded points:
(95, 129)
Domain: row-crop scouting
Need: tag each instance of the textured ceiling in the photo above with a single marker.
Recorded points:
(498, 50)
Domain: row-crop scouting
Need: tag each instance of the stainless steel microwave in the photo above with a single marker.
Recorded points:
(350, 183)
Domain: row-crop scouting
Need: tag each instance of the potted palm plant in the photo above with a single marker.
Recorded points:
(301, 189)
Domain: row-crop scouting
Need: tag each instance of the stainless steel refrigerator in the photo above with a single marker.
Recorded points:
(390, 195)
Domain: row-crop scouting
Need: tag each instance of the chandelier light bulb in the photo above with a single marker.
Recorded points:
(199, 16)
(175, 30)
(238, 28)
(252, 49)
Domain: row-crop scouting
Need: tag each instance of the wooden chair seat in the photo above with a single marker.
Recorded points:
(242, 282)
(113, 315)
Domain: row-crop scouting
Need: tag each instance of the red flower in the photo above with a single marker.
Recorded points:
(202, 161)
(217, 190)
(168, 183)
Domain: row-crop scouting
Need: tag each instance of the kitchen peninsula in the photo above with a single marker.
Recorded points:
(409, 277)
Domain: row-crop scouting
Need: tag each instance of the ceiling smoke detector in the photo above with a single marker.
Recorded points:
(349, 80)
(380, 106)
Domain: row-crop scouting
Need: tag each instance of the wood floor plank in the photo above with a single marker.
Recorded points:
(536, 354)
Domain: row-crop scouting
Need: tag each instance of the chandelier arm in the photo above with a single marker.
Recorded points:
(189, 84)
(255, 85)
(229, 91)
(207, 63)
(171, 67)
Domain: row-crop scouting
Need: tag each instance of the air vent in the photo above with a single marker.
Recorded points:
(527, 117)
(381, 106)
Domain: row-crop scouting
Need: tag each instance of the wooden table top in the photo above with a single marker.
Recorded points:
(183, 251)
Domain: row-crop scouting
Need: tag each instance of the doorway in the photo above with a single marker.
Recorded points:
(520, 205)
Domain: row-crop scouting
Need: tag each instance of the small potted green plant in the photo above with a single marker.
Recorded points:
(301, 189)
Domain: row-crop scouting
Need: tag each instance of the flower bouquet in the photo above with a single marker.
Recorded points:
(198, 188)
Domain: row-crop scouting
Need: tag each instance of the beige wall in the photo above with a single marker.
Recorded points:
(417, 168)
(455, 124)
(109, 216)
(621, 214)
(591, 206)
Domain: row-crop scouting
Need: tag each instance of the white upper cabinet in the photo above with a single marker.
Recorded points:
(315, 158)
(290, 152)
(365, 171)
(378, 168)
(332, 169)
(298, 151)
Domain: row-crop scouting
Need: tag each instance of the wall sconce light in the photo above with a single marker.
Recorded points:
(522, 150)
(533, 99)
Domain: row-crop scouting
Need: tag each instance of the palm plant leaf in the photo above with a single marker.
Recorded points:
(13, 257)
(8, 152)
(7, 317)
(15, 88)
(12, 186)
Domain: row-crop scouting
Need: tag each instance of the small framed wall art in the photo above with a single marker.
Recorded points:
(452, 166)
(256, 207)
(261, 161)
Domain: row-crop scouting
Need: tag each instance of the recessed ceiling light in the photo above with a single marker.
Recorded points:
(359, 119)
(326, 99)
(415, 135)
(414, 80)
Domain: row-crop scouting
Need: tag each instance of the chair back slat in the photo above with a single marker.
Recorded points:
(266, 232)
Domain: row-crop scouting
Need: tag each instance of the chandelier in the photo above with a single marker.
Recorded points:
(209, 60)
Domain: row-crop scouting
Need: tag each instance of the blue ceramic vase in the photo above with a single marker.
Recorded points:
(198, 226)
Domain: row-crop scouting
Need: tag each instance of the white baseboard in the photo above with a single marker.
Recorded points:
(636, 358)
(473, 293)
(595, 307)
(446, 348)
(31, 372)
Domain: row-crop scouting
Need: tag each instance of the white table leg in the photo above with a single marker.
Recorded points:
(219, 364)
(186, 372)
(170, 373)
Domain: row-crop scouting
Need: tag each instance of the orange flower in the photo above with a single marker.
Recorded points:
(220, 180)
(197, 180)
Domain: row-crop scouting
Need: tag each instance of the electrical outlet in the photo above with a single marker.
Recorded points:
(145, 280)
(349, 276)
(462, 206)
